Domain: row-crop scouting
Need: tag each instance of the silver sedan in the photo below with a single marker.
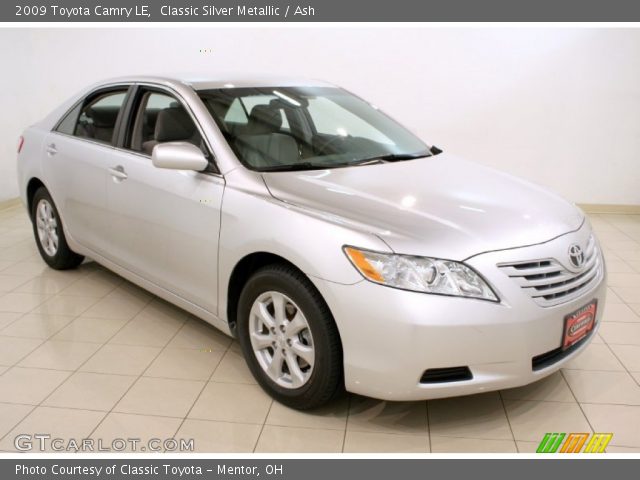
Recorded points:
(342, 251)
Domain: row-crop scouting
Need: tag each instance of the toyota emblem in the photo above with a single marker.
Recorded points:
(576, 256)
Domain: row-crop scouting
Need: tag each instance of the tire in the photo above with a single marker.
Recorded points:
(49, 233)
(324, 376)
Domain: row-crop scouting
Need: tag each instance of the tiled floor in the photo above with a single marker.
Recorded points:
(86, 354)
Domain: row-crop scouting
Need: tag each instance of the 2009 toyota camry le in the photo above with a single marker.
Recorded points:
(342, 251)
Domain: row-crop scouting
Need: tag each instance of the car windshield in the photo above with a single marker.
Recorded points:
(298, 128)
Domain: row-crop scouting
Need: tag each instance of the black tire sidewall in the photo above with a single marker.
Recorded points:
(64, 257)
(326, 377)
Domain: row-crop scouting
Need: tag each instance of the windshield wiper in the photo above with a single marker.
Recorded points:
(294, 166)
(390, 157)
(393, 157)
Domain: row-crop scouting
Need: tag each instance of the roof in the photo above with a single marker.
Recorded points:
(205, 82)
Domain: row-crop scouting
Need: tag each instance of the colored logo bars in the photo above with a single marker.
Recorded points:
(573, 443)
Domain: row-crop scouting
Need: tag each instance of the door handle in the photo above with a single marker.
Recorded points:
(118, 173)
(51, 149)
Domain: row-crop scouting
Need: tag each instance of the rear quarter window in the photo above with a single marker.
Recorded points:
(68, 123)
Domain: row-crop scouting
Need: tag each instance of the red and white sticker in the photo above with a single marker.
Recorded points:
(578, 324)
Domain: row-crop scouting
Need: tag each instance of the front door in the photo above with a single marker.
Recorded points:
(164, 224)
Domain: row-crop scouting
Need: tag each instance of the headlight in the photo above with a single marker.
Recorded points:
(420, 274)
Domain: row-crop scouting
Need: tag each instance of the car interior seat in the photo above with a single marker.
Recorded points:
(173, 124)
(262, 144)
(99, 123)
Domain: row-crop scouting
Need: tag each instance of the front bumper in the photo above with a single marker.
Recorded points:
(391, 337)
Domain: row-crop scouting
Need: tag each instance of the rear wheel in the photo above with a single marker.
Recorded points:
(49, 234)
(289, 338)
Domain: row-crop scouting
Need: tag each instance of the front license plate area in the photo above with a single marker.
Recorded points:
(578, 324)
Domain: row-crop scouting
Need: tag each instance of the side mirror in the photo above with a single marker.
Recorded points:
(178, 156)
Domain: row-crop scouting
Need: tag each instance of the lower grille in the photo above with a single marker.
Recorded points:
(549, 283)
(444, 375)
(547, 359)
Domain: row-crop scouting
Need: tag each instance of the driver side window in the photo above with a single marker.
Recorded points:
(160, 118)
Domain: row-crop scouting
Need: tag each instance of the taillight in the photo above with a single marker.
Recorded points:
(20, 143)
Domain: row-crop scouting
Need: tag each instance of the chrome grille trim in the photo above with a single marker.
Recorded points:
(549, 283)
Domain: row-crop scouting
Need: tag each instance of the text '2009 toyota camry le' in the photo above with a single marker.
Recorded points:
(340, 250)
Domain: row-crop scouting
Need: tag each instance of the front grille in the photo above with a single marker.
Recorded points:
(443, 375)
(549, 283)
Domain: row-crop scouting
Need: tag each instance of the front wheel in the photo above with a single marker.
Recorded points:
(50, 239)
(289, 338)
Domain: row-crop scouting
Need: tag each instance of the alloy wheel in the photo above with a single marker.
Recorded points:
(47, 226)
(281, 340)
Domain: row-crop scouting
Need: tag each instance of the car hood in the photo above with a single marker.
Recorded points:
(440, 206)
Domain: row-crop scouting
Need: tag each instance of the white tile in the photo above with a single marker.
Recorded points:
(7, 318)
(65, 305)
(60, 355)
(553, 388)
(373, 442)
(12, 350)
(621, 420)
(619, 312)
(220, 437)
(199, 334)
(87, 329)
(603, 387)
(20, 302)
(45, 284)
(29, 385)
(11, 415)
(631, 280)
(530, 420)
(56, 422)
(34, 325)
(160, 396)
(299, 440)
(471, 445)
(90, 391)
(629, 355)
(96, 284)
(122, 303)
(233, 369)
(121, 359)
(628, 294)
(11, 282)
(369, 415)
(147, 329)
(332, 416)
(184, 363)
(620, 333)
(595, 357)
(476, 416)
(142, 427)
(232, 402)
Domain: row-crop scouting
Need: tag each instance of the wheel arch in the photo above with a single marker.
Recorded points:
(241, 273)
(32, 187)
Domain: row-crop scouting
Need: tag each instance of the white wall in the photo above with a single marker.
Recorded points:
(558, 106)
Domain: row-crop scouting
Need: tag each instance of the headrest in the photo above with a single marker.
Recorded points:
(264, 119)
(103, 116)
(173, 124)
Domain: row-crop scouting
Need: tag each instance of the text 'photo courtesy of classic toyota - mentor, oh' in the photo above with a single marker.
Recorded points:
(342, 251)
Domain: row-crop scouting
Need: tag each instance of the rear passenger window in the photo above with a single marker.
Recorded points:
(98, 117)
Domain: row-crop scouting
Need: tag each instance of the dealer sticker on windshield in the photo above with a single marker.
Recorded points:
(578, 324)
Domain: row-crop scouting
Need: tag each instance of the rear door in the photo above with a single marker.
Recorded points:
(78, 152)
(164, 224)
